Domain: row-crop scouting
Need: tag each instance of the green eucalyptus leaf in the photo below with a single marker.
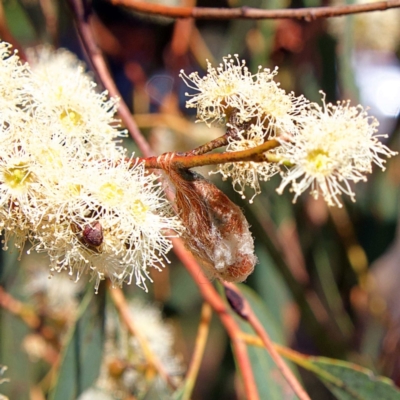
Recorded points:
(13, 331)
(349, 381)
(82, 353)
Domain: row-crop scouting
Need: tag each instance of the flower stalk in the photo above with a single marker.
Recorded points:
(186, 161)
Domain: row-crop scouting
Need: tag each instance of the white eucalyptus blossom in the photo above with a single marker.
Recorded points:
(253, 106)
(65, 184)
(327, 147)
(280, 111)
(232, 89)
(64, 97)
(220, 91)
(335, 146)
(14, 79)
(126, 205)
(370, 31)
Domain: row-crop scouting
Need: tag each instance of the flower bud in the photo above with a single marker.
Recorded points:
(93, 234)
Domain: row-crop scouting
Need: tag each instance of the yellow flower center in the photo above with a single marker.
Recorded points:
(225, 87)
(276, 103)
(111, 194)
(18, 177)
(139, 210)
(70, 118)
(74, 189)
(319, 162)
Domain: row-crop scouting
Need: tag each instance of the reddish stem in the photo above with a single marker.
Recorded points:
(176, 160)
(95, 56)
(244, 310)
(213, 298)
(307, 14)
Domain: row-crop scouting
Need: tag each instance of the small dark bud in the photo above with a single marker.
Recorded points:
(92, 234)
(236, 302)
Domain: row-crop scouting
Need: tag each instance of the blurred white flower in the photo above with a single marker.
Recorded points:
(158, 334)
(56, 294)
(95, 394)
(371, 30)
(125, 369)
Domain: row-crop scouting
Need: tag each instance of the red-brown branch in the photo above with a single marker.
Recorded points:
(244, 310)
(307, 14)
(81, 16)
(210, 295)
(255, 154)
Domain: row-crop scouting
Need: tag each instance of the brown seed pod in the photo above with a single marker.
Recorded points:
(217, 232)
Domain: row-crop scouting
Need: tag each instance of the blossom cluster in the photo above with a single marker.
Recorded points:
(66, 186)
(325, 148)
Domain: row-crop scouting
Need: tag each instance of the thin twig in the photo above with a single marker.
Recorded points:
(210, 295)
(255, 154)
(231, 132)
(95, 56)
(201, 340)
(243, 309)
(307, 14)
(122, 307)
(206, 148)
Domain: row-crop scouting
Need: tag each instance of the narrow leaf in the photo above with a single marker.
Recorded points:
(349, 381)
(82, 353)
